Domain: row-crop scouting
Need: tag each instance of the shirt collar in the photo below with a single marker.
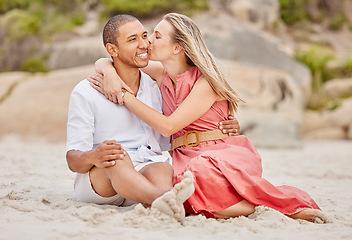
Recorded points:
(141, 83)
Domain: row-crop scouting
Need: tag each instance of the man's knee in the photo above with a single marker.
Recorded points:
(126, 162)
(160, 170)
(160, 167)
(100, 182)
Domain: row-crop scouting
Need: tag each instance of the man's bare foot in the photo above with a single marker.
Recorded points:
(311, 215)
(185, 188)
(171, 202)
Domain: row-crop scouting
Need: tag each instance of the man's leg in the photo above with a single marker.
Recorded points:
(123, 179)
(160, 174)
(171, 202)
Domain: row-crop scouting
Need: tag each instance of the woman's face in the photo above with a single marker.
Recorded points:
(162, 46)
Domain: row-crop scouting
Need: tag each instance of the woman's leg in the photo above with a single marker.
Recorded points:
(311, 215)
(245, 208)
(242, 208)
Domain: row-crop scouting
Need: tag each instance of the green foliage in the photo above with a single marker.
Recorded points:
(61, 5)
(34, 65)
(43, 17)
(344, 70)
(19, 24)
(190, 6)
(142, 8)
(59, 22)
(349, 65)
(26, 24)
(139, 8)
(317, 58)
(292, 11)
(9, 90)
(6, 5)
(337, 22)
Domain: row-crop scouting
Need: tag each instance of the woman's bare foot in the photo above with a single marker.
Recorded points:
(171, 202)
(311, 215)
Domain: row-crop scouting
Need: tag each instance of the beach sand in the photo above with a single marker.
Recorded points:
(37, 201)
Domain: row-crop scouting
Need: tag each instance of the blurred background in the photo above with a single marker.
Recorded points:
(290, 60)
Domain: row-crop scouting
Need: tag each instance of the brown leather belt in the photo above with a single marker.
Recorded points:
(193, 138)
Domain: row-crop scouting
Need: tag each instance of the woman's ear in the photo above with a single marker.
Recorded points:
(112, 49)
(178, 48)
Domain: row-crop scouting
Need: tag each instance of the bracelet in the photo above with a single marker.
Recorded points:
(123, 92)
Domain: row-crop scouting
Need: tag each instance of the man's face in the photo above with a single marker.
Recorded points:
(133, 45)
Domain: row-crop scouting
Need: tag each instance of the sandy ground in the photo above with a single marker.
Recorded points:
(36, 199)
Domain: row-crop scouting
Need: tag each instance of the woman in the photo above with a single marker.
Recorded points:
(227, 169)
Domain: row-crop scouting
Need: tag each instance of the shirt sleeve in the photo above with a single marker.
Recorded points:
(80, 123)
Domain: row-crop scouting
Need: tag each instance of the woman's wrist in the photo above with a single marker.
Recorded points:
(123, 91)
(108, 69)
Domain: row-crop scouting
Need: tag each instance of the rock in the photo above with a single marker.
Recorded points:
(333, 7)
(76, 52)
(8, 80)
(261, 13)
(264, 88)
(332, 133)
(273, 110)
(38, 106)
(313, 120)
(342, 116)
(270, 117)
(91, 27)
(269, 129)
(13, 53)
(330, 124)
(337, 88)
(349, 132)
(248, 46)
(347, 9)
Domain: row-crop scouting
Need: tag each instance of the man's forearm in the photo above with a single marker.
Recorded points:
(79, 161)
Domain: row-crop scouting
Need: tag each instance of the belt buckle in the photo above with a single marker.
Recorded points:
(191, 144)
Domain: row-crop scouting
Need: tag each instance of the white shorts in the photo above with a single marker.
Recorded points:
(84, 191)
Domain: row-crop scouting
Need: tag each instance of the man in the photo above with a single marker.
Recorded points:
(115, 155)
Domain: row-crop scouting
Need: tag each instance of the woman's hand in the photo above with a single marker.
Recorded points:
(96, 82)
(230, 126)
(110, 87)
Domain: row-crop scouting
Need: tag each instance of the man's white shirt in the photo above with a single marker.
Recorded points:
(92, 119)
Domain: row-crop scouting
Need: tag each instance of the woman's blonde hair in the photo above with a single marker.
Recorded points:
(189, 36)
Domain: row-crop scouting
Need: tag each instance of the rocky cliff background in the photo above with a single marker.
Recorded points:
(295, 77)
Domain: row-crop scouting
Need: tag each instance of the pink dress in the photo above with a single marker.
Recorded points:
(225, 171)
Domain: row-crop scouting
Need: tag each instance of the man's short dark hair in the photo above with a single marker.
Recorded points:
(111, 29)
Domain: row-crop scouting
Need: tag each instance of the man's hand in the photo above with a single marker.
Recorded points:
(106, 154)
(230, 126)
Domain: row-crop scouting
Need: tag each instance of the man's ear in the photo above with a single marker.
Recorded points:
(112, 49)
